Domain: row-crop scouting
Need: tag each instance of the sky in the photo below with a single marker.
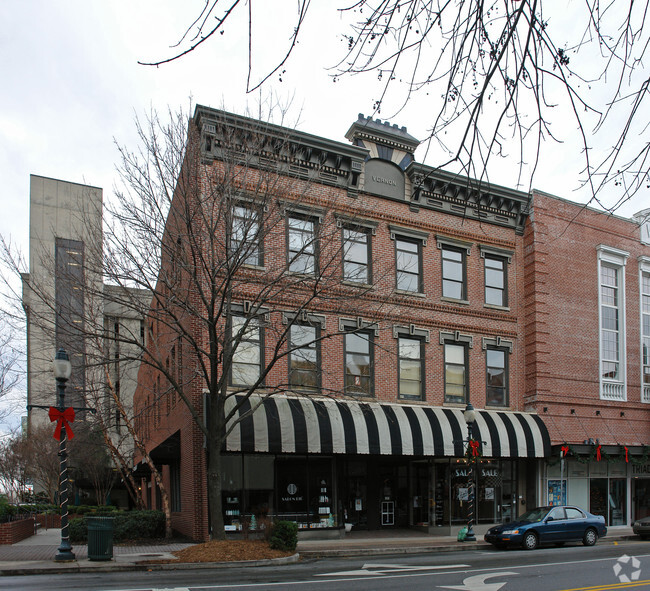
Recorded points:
(71, 87)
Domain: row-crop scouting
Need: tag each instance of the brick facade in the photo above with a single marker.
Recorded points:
(435, 209)
(562, 324)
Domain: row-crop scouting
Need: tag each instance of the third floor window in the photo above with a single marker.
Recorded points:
(356, 255)
(302, 247)
(496, 283)
(453, 273)
(408, 260)
(245, 239)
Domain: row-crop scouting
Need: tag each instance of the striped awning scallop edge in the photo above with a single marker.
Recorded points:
(308, 425)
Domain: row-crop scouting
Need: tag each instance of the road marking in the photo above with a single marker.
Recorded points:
(389, 568)
(631, 585)
(477, 583)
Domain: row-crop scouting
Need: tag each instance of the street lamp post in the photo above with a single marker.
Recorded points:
(63, 417)
(470, 418)
(62, 371)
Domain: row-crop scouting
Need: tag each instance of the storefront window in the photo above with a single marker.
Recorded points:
(231, 491)
(617, 505)
(305, 492)
(258, 489)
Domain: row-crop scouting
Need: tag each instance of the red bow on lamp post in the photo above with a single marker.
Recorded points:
(63, 418)
(626, 457)
(598, 454)
(473, 447)
(565, 450)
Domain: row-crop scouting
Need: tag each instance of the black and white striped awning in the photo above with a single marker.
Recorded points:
(306, 425)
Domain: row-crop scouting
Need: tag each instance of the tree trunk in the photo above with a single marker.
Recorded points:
(217, 531)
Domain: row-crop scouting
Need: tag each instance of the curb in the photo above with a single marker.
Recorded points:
(111, 566)
(352, 552)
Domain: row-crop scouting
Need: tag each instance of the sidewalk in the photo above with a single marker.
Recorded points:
(35, 555)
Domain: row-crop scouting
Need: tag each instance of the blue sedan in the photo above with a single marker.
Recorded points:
(549, 525)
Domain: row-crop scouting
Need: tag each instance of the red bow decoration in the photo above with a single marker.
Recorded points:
(473, 446)
(63, 419)
(626, 458)
(565, 450)
(598, 456)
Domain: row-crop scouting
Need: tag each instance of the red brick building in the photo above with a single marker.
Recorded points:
(370, 300)
(587, 331)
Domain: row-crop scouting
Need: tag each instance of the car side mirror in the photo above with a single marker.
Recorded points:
(549, 519)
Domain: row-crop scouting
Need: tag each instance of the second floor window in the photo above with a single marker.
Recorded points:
(245, 243)
(411, 368)
(610, 322)
(408, 264)
(358, 364)
(302, 251)
(453, 273)
(304, 358)
(495, 281)
(247, 355)
(455, 373)
(356, 255)
(497, 377)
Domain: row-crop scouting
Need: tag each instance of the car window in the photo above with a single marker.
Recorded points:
(534, 515)
(573, 513)
(557, 513)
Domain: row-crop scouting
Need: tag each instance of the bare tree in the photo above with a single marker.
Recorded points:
(85, 321)
(500, 77)
(204, 227)
(13, 465)
(11, 371)
(91, 460)
(40, 457)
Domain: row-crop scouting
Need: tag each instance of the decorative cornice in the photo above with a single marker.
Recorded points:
(465, 197)
(226, 136)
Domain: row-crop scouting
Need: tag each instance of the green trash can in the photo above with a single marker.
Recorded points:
(100, 538)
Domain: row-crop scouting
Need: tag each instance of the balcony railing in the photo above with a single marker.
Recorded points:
(613, 391)
(645, 393)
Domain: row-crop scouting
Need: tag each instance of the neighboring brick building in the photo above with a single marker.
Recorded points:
(587, 332)
(419, 277)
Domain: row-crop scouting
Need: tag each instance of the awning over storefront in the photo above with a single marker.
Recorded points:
(307, 425)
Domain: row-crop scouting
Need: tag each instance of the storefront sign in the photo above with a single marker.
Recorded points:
(292, 489)
(641, 470)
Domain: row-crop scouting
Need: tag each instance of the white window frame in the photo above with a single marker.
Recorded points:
(644, 268)
(613, 257)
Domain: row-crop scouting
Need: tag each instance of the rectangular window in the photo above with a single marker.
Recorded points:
(453, 273)
(455, 373)
(610, 323)
(645, 320)
(411, 368)
(496, 361)
(496, 281)
(611, 303)
(245, 240)
(356, 255)
(304, 358)
(247, 355)
(358, 364)
(301, 236)
(408, 261)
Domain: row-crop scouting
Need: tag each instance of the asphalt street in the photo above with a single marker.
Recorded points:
(621, 565)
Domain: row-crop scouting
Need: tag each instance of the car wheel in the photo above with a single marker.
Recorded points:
(530, 541)
(590, 537)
